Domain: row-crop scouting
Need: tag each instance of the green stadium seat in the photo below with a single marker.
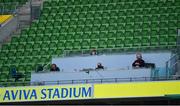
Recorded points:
(59, 52)
(62, 37)
(103, 28)
(69, 36)
(102, 7)
(87, 29)
(19, 53)
(102, 43)
(44, 45)
(145, 41)
(110, 43)
(94, 43)
(129, 26)
(53, 45)
(11, 53)
(110, 35)
(119, 43)
(163, 40)
(97, 15)
(172, 40)
(172, 24)
(155, 18)
(5, 47)
(69, 45)
(3, 78)
(163, 17)
(85, 44)
(79, 29)
(94, 36)
(78, 37)
(172, 31)
(137, 41)
(21, 69)
(80, 22)
(86, 36)
(112, 28)
(96, 22)
(14, 40)
(37, 46)
(105, 15)
(128, 42)
(154, 41)
(31, 39)
(93, 8)
(77, 45)
(89, 15)
(88, 22)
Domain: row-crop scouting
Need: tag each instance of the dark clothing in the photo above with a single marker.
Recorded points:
(39, 68)
(16, 75)
(100, 67)
(57, 69)
(138, 63)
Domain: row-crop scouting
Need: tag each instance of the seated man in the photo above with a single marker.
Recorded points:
(99, 66)
(93, 52)
(54, 68)
(139, 62)
(15, 74)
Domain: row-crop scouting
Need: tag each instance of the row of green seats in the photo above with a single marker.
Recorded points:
(128, 30)
(24, 53)
(98, 26)
(37, 56)
(9, 6)
(161, 40)
(73, 20)
(139, 11)
(26, 41)
(98, 2)
(7, 80)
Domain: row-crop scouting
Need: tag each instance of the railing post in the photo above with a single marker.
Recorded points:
(166, 69)
(130, 79)
(72, 81)
(115, 79)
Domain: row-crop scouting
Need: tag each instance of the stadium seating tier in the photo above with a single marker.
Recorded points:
(88, 24)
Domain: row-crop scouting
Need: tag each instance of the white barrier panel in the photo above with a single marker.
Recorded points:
(93, 74)
(69, 64)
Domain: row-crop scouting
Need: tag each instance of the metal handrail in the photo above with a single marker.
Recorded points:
(92, 81)
(170, 66)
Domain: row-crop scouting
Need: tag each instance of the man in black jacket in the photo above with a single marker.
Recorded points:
(54, 68)
(139, 62)
(99, 66)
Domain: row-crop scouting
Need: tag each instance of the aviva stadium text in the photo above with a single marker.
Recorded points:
(47, 93)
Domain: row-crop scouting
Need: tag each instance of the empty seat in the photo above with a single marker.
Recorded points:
(77, 45)
(102, 43)
(94, 43)
(119, 42)
(85, 44)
